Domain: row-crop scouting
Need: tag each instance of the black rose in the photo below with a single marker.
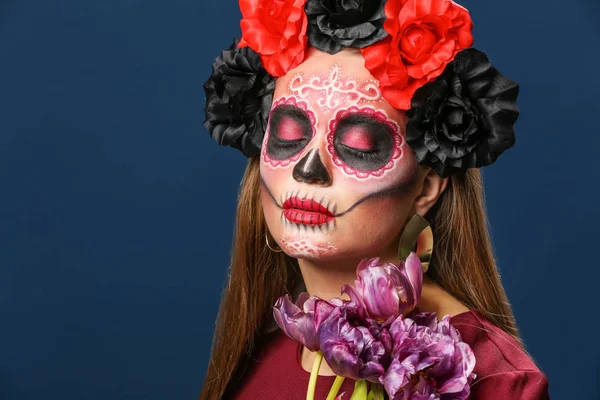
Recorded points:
(334, 24)
(238, 99)
(464, 118)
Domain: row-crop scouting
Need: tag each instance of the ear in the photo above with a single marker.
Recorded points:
(432, 188)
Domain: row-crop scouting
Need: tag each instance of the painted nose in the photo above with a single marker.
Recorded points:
(310, 169)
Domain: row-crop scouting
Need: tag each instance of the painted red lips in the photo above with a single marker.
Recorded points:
(307, 212)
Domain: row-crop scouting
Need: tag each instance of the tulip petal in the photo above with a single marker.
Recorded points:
(414, 274)
(295, 322)
(322, 311)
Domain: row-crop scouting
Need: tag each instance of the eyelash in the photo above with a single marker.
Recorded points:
(288, 143)
(365, 155)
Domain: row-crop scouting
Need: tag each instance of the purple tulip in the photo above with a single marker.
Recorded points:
(387, 290)
(428, 360)
(301, 321)
(297, 320)
(353, 346)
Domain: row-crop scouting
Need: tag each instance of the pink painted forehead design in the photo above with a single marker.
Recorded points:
(333, 91)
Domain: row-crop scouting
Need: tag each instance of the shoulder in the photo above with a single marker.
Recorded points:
(523, 385)
(496, 350)
(502, 367)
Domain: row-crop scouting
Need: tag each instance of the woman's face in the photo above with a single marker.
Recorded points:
(338, 179)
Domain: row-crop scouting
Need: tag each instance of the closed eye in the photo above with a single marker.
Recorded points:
(363, 142)
(358, 137)
(290, 131)
(363, 156)
(288, 143)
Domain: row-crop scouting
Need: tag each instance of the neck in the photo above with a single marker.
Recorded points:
(325, 280)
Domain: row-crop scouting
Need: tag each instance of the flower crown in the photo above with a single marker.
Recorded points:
(461, 110)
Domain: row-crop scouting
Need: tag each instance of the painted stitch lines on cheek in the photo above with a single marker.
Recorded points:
(307, 220)
(304, 215)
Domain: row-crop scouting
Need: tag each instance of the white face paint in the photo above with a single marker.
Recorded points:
(337, 174)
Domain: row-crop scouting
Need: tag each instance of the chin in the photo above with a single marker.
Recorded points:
(313, 242)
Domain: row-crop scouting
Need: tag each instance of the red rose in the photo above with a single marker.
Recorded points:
(425, 35)
(275, 29)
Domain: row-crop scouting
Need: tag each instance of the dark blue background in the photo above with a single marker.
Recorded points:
(117, 209)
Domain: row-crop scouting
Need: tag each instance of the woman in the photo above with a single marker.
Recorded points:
(383, 117)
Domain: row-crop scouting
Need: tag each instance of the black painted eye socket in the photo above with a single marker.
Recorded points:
(363, 142)
(290, 130)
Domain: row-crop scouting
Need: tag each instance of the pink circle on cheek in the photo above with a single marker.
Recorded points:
(358, 138)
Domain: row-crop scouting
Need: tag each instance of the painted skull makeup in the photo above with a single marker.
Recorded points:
(334, 161)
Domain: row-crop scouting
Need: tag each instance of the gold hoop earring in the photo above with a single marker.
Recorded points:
(417, 237)
(278, 250)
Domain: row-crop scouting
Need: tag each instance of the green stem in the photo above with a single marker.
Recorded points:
(360, 390)
(377, 391)
(372, 391)
(335, 388)
(314, 374)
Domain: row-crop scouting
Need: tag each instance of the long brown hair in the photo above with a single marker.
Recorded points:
(462, 263)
